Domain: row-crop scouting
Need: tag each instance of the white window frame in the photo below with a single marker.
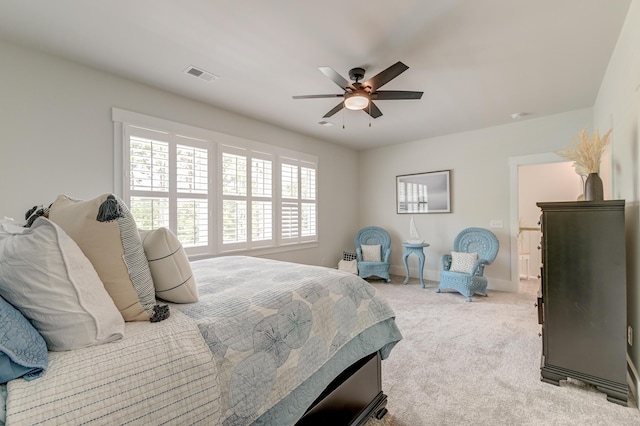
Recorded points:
(215, 142)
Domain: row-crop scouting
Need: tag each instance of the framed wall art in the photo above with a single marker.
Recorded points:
(428, 192)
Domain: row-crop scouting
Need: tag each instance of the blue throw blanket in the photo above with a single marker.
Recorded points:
(23, 351)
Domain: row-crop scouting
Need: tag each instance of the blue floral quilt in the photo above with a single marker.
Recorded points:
(280, 332)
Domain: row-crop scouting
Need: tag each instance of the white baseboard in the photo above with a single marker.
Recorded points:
(632, 380)
(414, 273)
(432, 275)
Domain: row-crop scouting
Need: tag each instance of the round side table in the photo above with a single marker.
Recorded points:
(417, 250)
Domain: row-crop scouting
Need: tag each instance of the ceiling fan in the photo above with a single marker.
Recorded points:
(360, 96)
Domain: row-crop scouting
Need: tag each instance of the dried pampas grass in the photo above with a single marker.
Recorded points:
(586, 152)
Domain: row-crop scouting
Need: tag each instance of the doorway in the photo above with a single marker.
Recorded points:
(535, 178)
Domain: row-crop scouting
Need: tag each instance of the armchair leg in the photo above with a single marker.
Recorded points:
(438, 291)
(468, 298)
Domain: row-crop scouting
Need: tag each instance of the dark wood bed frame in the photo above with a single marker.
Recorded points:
(352, 398)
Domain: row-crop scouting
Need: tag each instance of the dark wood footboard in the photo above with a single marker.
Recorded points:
(352, 398)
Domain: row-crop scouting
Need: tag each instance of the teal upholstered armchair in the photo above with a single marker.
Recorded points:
(373, 248)
(463, 269)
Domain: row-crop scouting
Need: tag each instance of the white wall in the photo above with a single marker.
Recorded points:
(480, 186)
(57, 137)
(618, 107)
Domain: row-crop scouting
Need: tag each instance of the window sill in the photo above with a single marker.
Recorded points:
(258, 251)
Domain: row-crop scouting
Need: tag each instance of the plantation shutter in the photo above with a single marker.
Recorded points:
(247, 198)
(169, 184)
(298, 206)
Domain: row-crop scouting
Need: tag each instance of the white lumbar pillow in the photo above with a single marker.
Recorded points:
(170, 267)
(45, 275)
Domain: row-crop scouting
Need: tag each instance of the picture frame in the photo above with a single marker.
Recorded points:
(428, 192)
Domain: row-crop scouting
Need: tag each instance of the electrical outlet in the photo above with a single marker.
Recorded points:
(495, 224)
(630, 335)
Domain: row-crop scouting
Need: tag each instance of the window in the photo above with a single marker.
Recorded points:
(298, 201)
(216, 192)
(192, 170)
(247, 198)
(168, 184)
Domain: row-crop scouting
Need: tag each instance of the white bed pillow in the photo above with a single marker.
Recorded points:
(371, 253)
(170, 268)
(45, 275)
(10, 227)
(462, 262)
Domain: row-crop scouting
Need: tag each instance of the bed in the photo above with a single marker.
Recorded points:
(268, 343)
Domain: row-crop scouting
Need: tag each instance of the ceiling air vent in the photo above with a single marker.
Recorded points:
(201, 74)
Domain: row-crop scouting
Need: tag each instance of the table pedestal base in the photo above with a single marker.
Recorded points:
(417, 250)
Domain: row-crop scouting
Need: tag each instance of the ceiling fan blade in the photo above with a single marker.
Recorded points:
(383, 77)
(373, 110)
(318, 96)
(395, 94)
(336, 78)
(334, 110)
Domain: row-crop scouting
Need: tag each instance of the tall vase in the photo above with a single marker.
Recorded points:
(593, 188)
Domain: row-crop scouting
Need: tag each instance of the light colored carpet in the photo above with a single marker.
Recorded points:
(478, 363)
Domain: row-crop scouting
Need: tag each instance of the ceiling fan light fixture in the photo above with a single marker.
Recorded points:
(359, 96)
(356, 101)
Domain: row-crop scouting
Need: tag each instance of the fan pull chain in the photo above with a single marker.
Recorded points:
(342, 118)
(369, 113)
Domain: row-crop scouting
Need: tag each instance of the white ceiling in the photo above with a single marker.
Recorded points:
(477, 61)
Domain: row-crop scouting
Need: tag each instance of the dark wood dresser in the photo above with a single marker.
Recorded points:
(582, 299)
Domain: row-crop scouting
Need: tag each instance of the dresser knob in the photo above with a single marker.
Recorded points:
(539, 334)
(535, 305)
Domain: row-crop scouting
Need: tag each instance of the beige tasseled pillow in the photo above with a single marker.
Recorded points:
(106, 232)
